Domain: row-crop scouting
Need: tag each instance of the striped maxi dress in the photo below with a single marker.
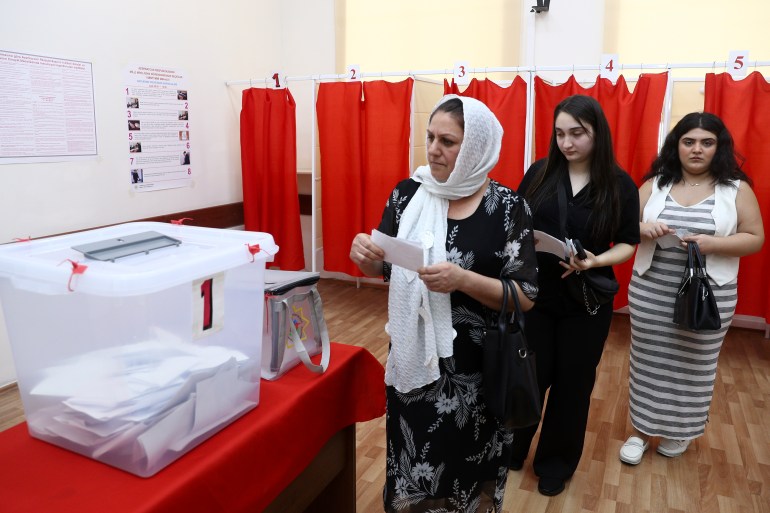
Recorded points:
(672, 370)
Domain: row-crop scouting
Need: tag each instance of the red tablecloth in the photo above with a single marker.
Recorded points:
(242, 468)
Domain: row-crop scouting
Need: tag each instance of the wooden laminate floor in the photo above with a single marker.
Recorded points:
(726, 470)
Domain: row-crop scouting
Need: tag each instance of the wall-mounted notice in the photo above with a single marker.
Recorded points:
(46, 109)
(158, 122)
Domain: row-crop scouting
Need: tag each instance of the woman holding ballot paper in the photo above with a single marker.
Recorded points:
(696, 192)
(445, 451)
(580, 196)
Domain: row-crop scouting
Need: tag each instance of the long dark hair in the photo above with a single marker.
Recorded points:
(603, 186)
(725, 165)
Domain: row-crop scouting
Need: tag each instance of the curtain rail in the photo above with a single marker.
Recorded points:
(713, 65)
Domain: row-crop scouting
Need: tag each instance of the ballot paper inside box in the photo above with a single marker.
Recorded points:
(134, 358)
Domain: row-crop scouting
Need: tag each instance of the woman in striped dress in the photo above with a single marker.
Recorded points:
(695, 191)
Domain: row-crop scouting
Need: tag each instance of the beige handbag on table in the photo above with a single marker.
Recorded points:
(294, 328)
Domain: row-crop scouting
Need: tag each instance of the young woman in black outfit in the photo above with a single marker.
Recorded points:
(602, 211)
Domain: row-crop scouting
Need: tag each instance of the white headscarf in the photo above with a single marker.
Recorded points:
(420, 321)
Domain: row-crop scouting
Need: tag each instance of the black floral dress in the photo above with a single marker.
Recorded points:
(445, 452)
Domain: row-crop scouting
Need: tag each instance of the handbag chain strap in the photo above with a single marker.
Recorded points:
(591, 311)
(562, 197)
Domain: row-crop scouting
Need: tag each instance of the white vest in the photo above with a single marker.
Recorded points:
(720, 268)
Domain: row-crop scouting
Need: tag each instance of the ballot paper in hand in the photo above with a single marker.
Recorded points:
(403, 253)
(669, 241)
(546, 243)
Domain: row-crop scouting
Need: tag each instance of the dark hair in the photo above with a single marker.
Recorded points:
(724, 166)
(603, 180)
(454, 108)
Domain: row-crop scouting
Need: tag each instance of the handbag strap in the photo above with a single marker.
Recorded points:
(696, 266)
(517, 316)
(319, 328)
(695, 260)
(502, 316)
(690, 270)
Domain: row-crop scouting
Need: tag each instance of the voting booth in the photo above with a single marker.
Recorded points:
(136, 342)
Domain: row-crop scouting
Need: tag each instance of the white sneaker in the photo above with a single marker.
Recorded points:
(633, 450)
(672, 448)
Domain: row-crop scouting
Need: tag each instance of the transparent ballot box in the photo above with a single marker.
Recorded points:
(136, 342)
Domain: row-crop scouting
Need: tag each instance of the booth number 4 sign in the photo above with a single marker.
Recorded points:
(610, 67)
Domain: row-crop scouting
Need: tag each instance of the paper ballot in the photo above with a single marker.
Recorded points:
(669, 241)
(160, 394)
(673, 239)
(400, 252)
(545, 243)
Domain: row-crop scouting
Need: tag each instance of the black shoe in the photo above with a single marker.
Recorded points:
(550, 486)
(515, 464)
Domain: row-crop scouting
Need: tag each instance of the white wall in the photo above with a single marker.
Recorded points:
(209, 42)
(569, 33)
(397, 35)
(212, 42)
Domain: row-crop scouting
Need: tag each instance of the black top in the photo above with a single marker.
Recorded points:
(579, 208)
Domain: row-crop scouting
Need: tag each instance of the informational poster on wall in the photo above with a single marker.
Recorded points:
(158, 121)
(46, 109)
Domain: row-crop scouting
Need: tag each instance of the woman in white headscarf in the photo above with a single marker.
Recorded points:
(445, 451)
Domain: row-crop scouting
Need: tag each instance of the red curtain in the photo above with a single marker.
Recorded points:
(269, 168)
(509, 104)
(634, 120)
(744, 106)
(364, 147)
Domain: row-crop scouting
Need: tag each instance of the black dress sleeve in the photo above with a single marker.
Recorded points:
(525, 268)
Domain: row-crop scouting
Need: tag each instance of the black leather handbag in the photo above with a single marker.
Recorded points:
(695, 307)
(509, 373)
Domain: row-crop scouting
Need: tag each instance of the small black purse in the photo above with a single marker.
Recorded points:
(695, 307)
(590, 288)
(509, 373)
